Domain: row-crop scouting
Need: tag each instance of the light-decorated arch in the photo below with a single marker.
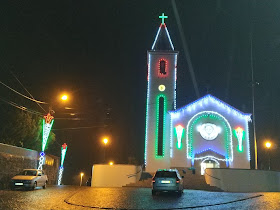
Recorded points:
(213, 116)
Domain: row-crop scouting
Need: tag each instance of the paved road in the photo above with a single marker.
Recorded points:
(72, 197)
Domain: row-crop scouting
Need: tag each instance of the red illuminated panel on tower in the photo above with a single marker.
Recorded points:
(162, 68)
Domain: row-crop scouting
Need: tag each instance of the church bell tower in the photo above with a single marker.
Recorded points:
(161, 98)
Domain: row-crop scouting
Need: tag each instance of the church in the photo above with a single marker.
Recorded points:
(207, 133)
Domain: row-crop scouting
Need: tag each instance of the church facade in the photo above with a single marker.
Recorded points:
(207, 133)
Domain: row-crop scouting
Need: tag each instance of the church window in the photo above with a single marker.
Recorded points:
(160, 126)
(162, 67)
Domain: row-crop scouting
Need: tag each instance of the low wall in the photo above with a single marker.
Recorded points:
(243, 180)
(117, 175)
(14, 159)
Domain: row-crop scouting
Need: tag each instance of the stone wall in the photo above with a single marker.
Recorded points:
(14, 159)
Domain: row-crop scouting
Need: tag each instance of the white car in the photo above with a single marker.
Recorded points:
(29, 179)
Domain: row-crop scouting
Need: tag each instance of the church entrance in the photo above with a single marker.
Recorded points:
(209, 163)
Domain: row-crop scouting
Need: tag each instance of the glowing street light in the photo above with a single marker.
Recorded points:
(268, 145)
(64, 97)
(111, 163)
(105, 141)
(82, 174)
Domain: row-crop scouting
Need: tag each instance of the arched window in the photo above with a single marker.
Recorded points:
(162, 67)
(160, 126)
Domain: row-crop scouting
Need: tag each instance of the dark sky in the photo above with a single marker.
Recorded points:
(96, 50)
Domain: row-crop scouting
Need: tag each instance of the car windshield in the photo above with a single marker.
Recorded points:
(28, 173)
(163, 174)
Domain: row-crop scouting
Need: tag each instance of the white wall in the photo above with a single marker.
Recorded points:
(243, 180)
(116, 175)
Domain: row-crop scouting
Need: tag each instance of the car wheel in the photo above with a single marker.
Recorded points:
(34, 186)
(45, 185)
(154, 192)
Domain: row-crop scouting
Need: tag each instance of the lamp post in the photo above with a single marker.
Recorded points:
(105, 142)
(268, 145)
(82, 174)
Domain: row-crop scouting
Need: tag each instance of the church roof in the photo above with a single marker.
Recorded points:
(163, 40)
(205, 99)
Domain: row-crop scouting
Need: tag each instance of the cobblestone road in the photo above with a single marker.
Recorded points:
(73, 197)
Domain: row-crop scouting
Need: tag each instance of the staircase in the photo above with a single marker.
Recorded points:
(196, 181)
(191, 181)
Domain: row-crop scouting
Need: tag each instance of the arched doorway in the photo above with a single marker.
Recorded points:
(209, 163)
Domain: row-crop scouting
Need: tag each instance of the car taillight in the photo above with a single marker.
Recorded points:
(177, 180)
(153, 180)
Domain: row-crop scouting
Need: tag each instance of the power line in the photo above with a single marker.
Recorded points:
(27, 91)
(23, 108)
(41, 102)
(76, 128)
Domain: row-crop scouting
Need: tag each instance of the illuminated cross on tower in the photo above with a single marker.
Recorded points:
(162, 17)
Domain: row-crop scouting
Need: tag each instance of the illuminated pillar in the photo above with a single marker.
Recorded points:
(63, 153)
(47, 126)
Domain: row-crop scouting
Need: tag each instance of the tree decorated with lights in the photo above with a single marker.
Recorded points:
(63, 153)
(47, 126)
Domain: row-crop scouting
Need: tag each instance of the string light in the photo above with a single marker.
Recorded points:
(215, 101)
(248, 142)
(47, 126)
(61, 168)
(208, 150)
(167, 33)
(179, 132)
(160, 74)
(147, 109)
(157, 125)
(215, 116)
(239, 132)
(60, 175)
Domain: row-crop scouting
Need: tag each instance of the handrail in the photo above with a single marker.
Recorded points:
(132, 175)
(211, 176)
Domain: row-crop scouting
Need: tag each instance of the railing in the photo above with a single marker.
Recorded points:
(133, 175)
(211, 175)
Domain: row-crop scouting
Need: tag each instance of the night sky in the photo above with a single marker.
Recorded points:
(96, 51)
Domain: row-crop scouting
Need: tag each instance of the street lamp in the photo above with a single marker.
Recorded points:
(105, 142)
(268, 145)
(111, 163)
(82, 174)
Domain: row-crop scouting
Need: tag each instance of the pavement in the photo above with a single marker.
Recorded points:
(74, 197)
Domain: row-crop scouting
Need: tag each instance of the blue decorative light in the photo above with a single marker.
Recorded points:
(209, 149)
(147, 110)
(205, 100)
(162, 25)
